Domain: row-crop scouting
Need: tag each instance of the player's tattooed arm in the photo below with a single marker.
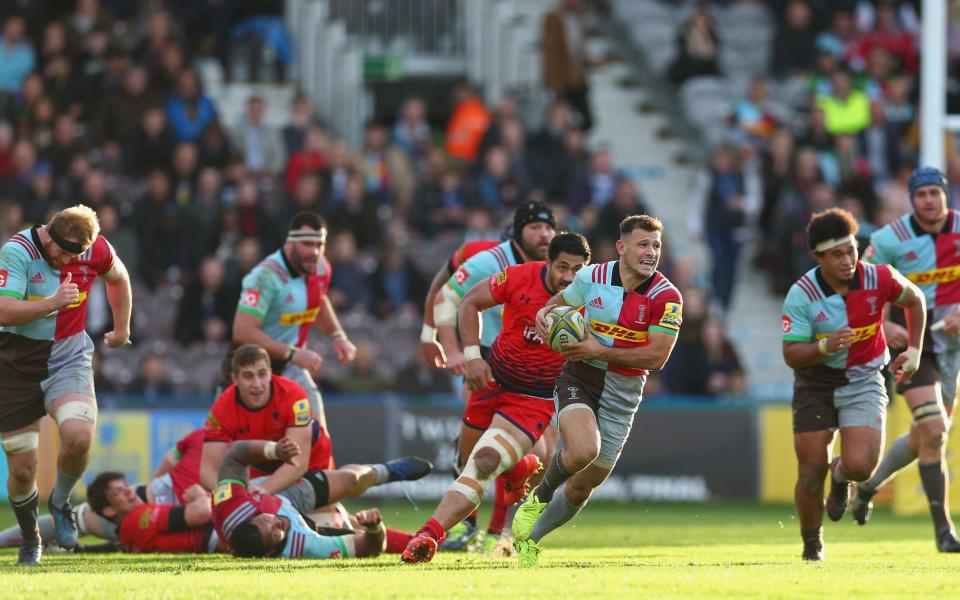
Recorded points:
(244, 453)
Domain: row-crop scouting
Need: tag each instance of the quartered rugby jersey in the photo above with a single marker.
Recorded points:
(466, 251)
(812, 311)
(621, 318)
(287, 303)
(233, 505)
(930, 260)
(25, 274)
(479, 268)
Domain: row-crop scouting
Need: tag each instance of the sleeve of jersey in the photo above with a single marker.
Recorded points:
(500, 285)
(297, 407)
(894, 284)
(259, 288)
(309, 544)
(476, 269)
(667, 312)
(103, 255)
(13, 270)
(231, 506)
(214, 428)
(576, 292)
(795, 320)
(876, 253)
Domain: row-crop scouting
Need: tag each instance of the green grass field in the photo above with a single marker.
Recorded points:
(610, 551)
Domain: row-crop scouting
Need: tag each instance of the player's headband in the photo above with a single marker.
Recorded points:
(834, 242)
(307, 236)
(65, 244)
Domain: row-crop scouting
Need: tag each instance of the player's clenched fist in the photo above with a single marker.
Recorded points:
(68, 293)
(370, 518)
(287, 449)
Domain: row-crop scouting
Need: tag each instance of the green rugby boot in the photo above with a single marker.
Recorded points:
(528, 553)
(526, 516)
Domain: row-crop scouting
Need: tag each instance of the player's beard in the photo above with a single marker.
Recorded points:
(534, 251)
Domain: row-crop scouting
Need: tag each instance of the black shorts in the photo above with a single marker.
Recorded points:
(23, 368)
(927, 374)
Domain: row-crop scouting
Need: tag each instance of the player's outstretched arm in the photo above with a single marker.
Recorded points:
(479, 298)
(120, 297)
(244, 453)
(445, 311)
(210, 460)
(431, 349)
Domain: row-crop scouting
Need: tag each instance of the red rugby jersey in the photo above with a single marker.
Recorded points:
(233, 505)
(146, 528)
(187, 471)
(520, 359)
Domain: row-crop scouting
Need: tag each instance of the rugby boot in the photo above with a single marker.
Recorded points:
(30, 552)
(408, 468)
(65, 524)
(528, 553)
(527, 516)
(420, 549)
(460, 537)
(862, 507)
(813, 551)
(489, 544)
(839, 494)
(947, 542)
(516, 479)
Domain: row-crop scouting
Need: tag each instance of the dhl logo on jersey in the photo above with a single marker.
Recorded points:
(617, 331)
(941, 275)
(861, 334)
(300, 318)
(83, 298)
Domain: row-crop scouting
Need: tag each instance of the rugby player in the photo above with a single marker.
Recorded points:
(45, 359)
(633, 314)
(262, 405)
(923, 246)
(514, 405)
(254, 524)
(533, 228)
(283, 297)
(833, 340)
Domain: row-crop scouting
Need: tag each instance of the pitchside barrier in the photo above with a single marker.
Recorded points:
(679, 450)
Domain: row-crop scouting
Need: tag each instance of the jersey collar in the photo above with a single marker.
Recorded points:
(640, 289)
(829, 291)
(543, 279)
(920, 231)
(36, 242)
(517, 255)
(286, 263)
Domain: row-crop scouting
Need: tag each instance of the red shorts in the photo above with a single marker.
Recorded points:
(531, 415)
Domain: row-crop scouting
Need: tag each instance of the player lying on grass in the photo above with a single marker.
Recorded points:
(263, 525)
(515, 407)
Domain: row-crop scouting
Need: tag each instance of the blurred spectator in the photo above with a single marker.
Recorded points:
(253, 220)
(845, 109)
(496, 187)
(841, 37)
(362, 376)
(794, 47)
(776, 163)
(151, 144)
(387, 170)
(95, 192)
(203, 212)
(189, 110)
(214, 149)
(159, 232)
(626, 201)
(439, 200)
(120, 114)
(17, 58)
(547, 153)
(480, 225)
(17, 184)
(307, 196)
(184, 172)
(349, 285)
(397, 285)
(505, 110)
(698, 49)
(412, 132)
(880, 145)
(311, 158)
(468, 122)
(40, 200)
(420, 377)
(260, 144)
(301, 117)
(11, 218)
(565, 61)
(357, 214)
(64, 146)
(205, 298)
(709, 367)
(123, 239)
(752, 117)
(595, 187)
(153, 380)
(888, 34)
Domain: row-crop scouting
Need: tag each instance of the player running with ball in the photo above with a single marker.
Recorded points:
(514, 407)
(833, 340)
(633, 315)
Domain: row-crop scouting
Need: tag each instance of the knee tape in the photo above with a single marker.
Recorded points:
(77, 409)
(927, 411)
(21, 442)
(470, 484)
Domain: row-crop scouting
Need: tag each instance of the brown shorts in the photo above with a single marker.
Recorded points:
(23, 367)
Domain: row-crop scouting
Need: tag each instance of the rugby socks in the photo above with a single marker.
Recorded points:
(935, 485)
(63, 488)
(558, 511)
(897, 457)
(25, 509)
(434, 529)
(554, 477)
(381, 474)
(836, 471)
(397, 541)
(499, 515)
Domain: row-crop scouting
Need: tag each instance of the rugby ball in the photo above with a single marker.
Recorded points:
(566, 325)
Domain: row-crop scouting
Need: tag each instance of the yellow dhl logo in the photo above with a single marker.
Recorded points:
(300, 318)
(83, 298)
(941, 275)
(860, 333)
(618, 332)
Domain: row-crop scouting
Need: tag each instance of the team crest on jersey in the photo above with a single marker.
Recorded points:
(301, 412)
(222, 493)
(3, 278)
(212, 422)
(145, 519)
(641, 314)
(84, 273)
(461, 275)
(251, 298)
(672, 316)
(872, 301)
(501, 278)
(785, 323)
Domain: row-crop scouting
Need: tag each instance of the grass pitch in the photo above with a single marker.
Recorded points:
(610, 551)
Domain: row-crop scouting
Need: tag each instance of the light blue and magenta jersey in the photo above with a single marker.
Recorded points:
(930, 260)
(621, 318)
(812, 311)
(287, 303)
(479, 268)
